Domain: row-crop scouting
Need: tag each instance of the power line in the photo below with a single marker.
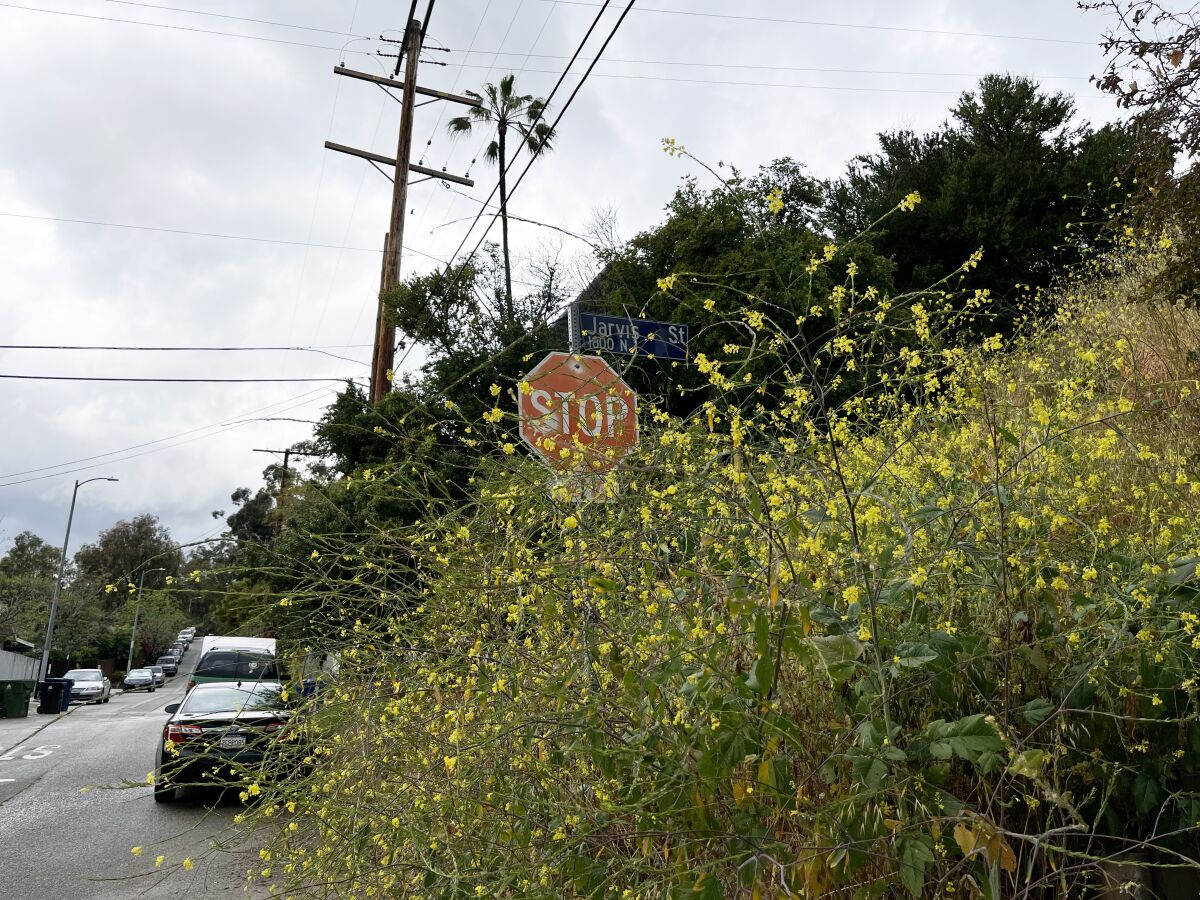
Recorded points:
(118, 459)
(88, 347)
(248, 37)
(824, 24)
(553, 125)
(483, 207)
(766, 68)
(172, 347)
(210, 234)
(216, 15)
(680, 80)
(224, 423)
(169, 380)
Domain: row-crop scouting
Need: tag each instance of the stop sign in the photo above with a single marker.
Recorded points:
(577, 413)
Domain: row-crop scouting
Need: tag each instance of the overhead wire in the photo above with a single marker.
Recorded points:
(117, 458)
(188, 28)
(532, 159)
(191, 431)
(512, 161)
(817, 23)
(762, 67)
(163, 380)
(453, 202)
(206, 349)
(312, 219)
(217, 15)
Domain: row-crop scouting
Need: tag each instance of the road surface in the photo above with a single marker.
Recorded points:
(58, 840)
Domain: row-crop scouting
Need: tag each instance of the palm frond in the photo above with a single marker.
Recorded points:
(459, 125)
(492, 153)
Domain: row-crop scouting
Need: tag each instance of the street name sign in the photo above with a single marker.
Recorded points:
(622, 335)
(577, 413)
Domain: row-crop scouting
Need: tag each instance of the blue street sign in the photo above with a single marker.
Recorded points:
(624, 336)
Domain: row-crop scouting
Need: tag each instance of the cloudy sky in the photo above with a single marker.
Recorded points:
(163, 183)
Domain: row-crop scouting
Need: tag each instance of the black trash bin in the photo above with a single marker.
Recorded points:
(56, 695)
(50, 695)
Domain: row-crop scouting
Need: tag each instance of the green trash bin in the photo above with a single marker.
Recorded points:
(19, 709)
(14, 699)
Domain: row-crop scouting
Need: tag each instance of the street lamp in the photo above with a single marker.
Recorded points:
(137, 611)
(62, 564)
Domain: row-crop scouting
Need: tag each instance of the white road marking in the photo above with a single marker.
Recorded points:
(7, 780)
(35, 753)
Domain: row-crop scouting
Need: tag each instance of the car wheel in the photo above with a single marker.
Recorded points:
(106, 699)
(152, 690)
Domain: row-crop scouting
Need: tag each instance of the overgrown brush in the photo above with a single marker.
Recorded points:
(940, 639)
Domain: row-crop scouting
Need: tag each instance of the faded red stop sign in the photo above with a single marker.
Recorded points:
(577, 413)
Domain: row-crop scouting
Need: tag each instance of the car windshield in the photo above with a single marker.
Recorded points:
(138, 673)
(166, 659)
(232, 700)
(84, 675)
(237, 664)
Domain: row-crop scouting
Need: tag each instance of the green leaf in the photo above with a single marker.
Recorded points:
(970, 738)
(867, 770)
(1037, 710)
(913, 655)
(915, 855)
(1028, 763)
(604, 585)
(762, 674)
(839, 653)
(762, 631)
(1147, 793)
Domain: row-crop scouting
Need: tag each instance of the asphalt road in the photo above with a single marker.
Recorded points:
(58, 840)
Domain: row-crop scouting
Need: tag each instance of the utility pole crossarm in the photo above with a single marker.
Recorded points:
(391, 82)
(389, 161)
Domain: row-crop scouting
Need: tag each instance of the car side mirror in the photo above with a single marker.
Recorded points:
(172, 708)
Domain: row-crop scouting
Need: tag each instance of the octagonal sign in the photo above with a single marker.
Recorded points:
(577, 413)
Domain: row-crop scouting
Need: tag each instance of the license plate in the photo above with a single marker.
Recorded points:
(232, 742)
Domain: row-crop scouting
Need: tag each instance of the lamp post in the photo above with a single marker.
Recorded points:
(62, 564)
(137, 611)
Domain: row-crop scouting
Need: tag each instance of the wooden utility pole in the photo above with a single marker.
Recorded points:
(385, 332)
(283, 479)
(383, 356)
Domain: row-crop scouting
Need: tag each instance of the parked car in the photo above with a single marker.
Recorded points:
(180, 646)
(217, 730)
(170, 665)
(236, 665)
(160, 677)
(91, 686)
(139, 680)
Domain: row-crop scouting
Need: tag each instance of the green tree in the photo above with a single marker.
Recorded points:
(27, 573)
(1009, 173)
(504, 109)
(125, 550)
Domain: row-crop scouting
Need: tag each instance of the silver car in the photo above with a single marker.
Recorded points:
(91, 686)
(160, 677)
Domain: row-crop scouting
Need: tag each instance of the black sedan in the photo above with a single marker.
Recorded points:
(139, 680)
(218, 732)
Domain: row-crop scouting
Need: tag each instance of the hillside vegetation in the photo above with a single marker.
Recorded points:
(938, 640)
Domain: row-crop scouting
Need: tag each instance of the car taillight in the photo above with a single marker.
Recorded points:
(273, 727)
(180, 733)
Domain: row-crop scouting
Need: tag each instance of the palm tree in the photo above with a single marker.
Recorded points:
(502, 107)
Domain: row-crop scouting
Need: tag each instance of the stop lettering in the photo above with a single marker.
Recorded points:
(577, 413)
